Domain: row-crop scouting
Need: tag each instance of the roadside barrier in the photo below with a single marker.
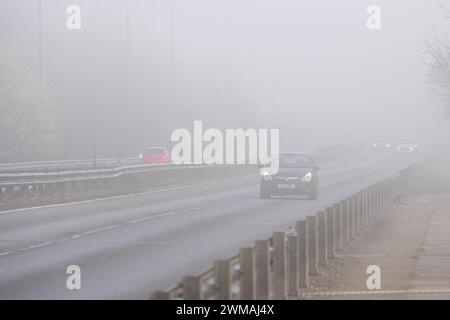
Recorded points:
(279, 267)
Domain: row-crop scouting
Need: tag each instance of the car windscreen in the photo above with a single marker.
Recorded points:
(293, 161)
(154, 151)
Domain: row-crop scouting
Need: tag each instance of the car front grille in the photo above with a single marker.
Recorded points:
(287, 178)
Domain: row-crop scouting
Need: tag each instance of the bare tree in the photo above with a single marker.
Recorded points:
(438, 63)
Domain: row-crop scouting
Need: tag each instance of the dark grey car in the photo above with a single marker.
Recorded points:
(297, 175)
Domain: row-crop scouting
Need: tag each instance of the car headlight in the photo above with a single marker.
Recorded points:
(266, 176)
(307, 177)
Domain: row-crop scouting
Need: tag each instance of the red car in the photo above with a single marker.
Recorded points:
(155, 155)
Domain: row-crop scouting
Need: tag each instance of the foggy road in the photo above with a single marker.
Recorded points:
(128, 246)
(142, 144)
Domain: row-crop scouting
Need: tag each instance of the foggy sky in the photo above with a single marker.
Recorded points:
(310, 68)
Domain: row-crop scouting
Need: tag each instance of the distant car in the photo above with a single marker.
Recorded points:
(155, 155)
(382, 146)
(406, 146)
(297, 175)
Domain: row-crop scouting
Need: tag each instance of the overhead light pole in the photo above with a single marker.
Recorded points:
(171, 72)
(39, 40)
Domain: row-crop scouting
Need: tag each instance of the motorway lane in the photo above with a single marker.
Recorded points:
(19, 228)
(128, 246)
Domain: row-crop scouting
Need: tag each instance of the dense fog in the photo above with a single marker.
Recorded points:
(138, 69)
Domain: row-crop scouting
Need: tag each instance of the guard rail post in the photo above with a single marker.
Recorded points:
(322, 238)
(371, 205)
(391, 191)
(358, 213)
(222, 278)
(292, 267)
(247, 274)
(338, 225)
(192, 288)
(262, 270)
(330, 233)
(351, 206)
(279, 265)
(377, 200)
(386, 194)
(303, 253)
(160, 295)
(345, 222)
(313, 245)
(366, 209)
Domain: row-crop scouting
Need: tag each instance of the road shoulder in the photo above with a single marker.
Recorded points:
(411, 245)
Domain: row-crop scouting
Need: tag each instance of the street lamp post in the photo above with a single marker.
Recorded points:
(39, 40)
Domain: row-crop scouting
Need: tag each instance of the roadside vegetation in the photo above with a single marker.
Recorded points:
(29, 125)
(431, 177)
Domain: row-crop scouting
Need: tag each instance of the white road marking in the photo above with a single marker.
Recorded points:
(90, 232)
(105, 228)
